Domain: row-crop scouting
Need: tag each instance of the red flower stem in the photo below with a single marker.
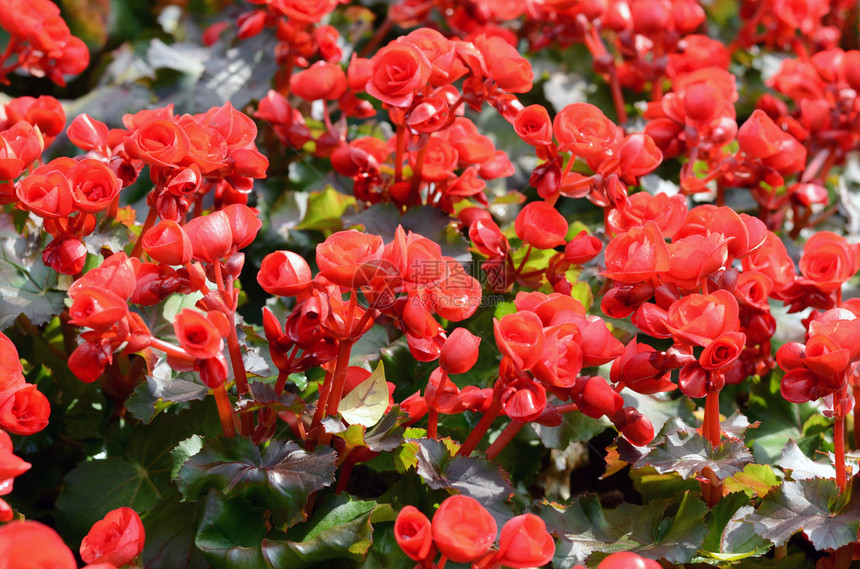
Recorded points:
(432, 423)
(856, 391)
(839, 445)
(401, 149)
(241, 377)
(711, 423)
(414, 196)
(567, 408)
(504, 438)
(170, 349)
(442, 561)
(150, 221)
(284, 374)
(219, 275)
(339, 378)
(481, 428)
(225, 411)
(332, 401)
(345, 472)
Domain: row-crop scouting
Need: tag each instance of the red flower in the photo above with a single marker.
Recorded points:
(87, 133)
(637, 255)
(723, 351)
(462, 529)
(505, 65)
(48, 195)
(700, 318)
(541, 225)
(585, 130)
(828, 260)
(117, 538)
(197, 334)
(158, 143)
(97, 308)
(341, 257)
(413, 533)
(398, 70)
(321, 80)
(94, 186)
(692, 259)
(760, 139)
(667, 212)
(24, 410)
(520, 337)
(524, 542)
(34, 546)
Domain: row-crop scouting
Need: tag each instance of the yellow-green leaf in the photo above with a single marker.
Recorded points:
(365, 405)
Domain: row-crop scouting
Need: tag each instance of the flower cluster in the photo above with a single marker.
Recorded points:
(40, 42)
(463, 531)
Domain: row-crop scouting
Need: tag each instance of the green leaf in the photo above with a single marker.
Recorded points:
(340, 529)
(729, 538)
(654, 485)
(686, 452)
(475, 477)
(754, 479)
(170, 535)
(230, 532)
(655, 530)
(95, 487)
(326, 209)
(163, 387)
(280, 478)
(366, 403)
(801, 466)
(813, 505)
(27, 286)
(183, 451)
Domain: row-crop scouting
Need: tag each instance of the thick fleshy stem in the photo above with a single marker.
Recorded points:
(839, 443)
(432, 423)
(225, 411)
(400, 151)
(481, 428)
(856, 391)
(505, 437)
(415, 184)
(712, 486)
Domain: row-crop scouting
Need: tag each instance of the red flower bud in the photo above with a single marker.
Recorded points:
(413, 533)
(168, 243)
(211, 236)
(582, 248)
(541, 225)
(627, 560)
(459, 352)
(533, 125)
(524, 542)
(319, 81)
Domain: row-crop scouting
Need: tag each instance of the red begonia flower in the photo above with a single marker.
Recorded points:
(117, 538)
(463, 529)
